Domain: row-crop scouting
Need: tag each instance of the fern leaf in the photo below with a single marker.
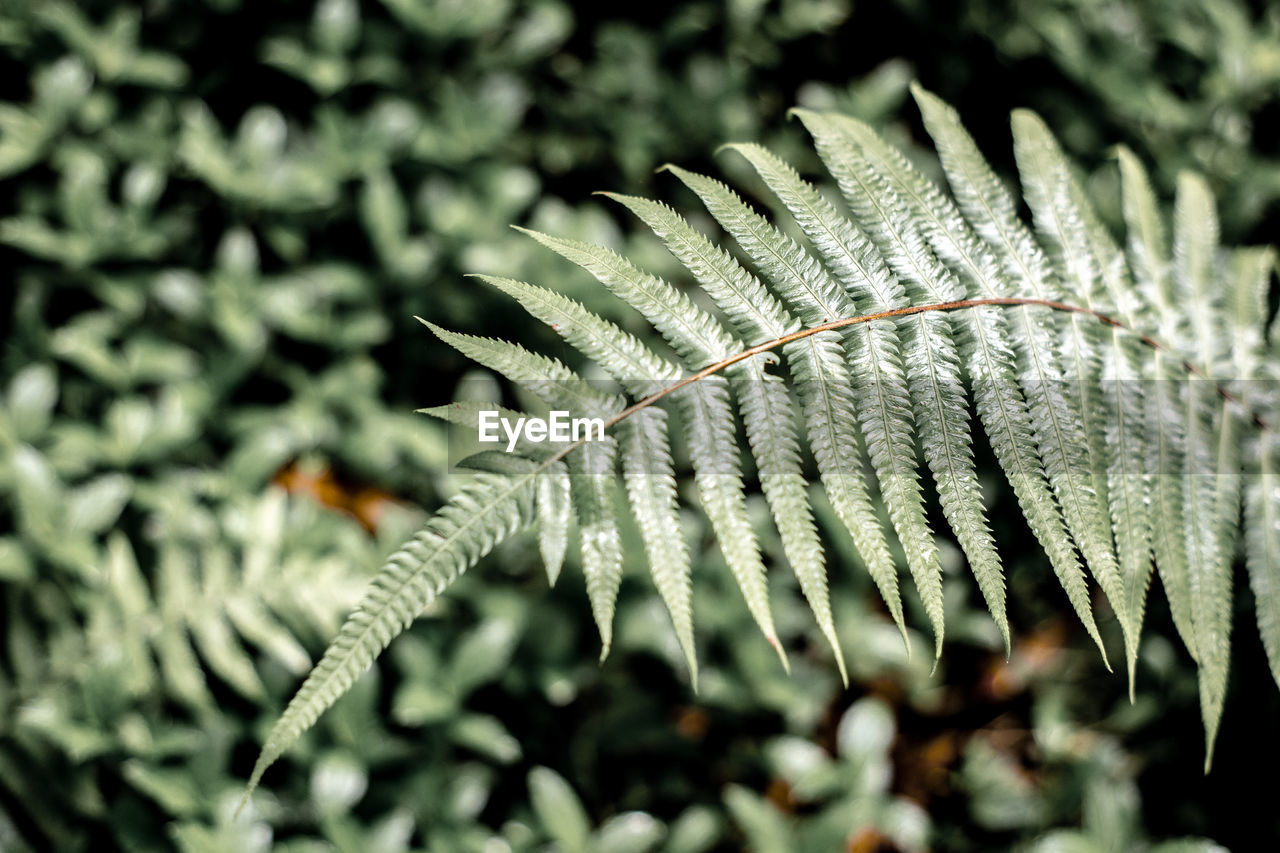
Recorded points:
(751, 309)
(713, 443)
(1248, 273)
(486, 511)
(1247, 280)
(1262, 546)
(1128, 475)
(1209, 567)
(1195, 246)
(704, 407)
(879, 386)
(554, 513)
(983, 198)
(647, 465)
(694, 334)
(640, 370)
(1195, 259)
(1088, 262)
(1126, 438)
(990, 361)
(1060, 431)
(1128, 485)
(1149, 259)
(1050, 194)
(988, 206)
(545, 377)
(933, 368)
(1148, 242)
(592, 489)
(770, 418)
(767, 412)
(1248, 286)
(591, 466)
(648, 472)
(827, 399)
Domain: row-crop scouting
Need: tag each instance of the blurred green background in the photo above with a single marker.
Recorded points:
(217, 219)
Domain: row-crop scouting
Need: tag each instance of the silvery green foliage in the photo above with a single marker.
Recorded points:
(1057, 393)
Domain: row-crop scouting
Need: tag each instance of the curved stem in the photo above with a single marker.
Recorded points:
(711, 369)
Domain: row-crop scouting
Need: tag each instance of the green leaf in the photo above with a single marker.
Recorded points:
(766, 829)
(592, 478)
(554, 513)
(932, 363)
(879, 385)
(697, 337)
(766, 407)
(1195, 247)
(647, 470)
(559, 809)
(984, 340)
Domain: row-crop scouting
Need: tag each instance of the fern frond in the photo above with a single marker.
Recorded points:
(1047, 185)
(591, 470)
(1208, 556)
(1126, 433)
(592, 490)
(484, 513)
(1110, 398)
(809, 290)
(830, 409)
(989, 358)
(647, 467)
(767, 412)
(544, 377)
(933, 367)
(1247, 308)
(705, 408)
(554, 513)
(1262, 546)
(1111, 380)
(649, 474)
(1149, 259)
(879, 386)
(1057, 414)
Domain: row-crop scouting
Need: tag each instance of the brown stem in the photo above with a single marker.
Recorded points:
(710, 369)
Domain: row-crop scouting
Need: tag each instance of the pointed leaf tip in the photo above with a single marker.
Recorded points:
(777, 647)
(1210, 741)
(691, 661)
(1131, 666)
(438, 331)
(844, 672)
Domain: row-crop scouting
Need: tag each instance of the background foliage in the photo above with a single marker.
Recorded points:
(217, 221)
